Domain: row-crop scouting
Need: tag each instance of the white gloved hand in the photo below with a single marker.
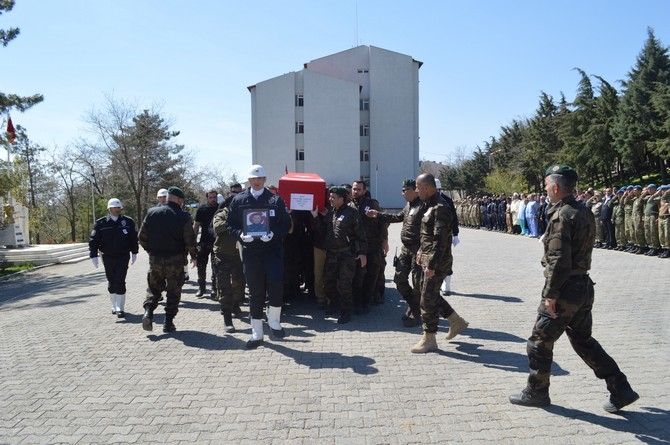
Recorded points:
(133, 258)
(267, 238)
(246, 238)
(94, 260)
(455, 241)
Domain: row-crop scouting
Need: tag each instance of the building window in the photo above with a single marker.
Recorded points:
(365, 155)
(365, 104)
(299, 154)
(365, 130)
(299, 127)
(362, 71)
(299, 100)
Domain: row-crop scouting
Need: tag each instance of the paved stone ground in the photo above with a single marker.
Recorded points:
(70, 372)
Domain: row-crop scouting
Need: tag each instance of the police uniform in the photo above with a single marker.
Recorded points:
(166, 234)
(568, 245)
(116, 239)
(263, 258)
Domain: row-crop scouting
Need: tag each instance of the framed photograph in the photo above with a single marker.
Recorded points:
(256, 222)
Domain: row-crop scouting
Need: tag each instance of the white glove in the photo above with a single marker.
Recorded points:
(315, 213)
(267, 238)
(94, 260)
(133, 258)
(246, 238)
(455, 241)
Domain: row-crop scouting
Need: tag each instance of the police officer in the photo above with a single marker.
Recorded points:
(346, 243)
(567, 297)
(435, 258)
(161, 197)
(203, 219)
(405, 264)
(115, 235)
(166, 234)
(263, 256)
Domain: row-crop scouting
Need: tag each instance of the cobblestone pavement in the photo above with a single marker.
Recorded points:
(70, 372)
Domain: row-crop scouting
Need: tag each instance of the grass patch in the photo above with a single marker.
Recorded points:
(7, 269)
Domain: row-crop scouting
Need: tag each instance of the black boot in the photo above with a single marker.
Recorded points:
(148, 319)
(201, 291)
(228, 322)
(528, 397)
(169, 325)
(414, 319)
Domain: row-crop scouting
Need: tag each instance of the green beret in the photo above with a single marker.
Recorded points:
(409, 183)
(559, 169)
(176, 191)
(340, 191)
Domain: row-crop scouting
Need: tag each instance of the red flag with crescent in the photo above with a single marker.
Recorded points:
(10, 130)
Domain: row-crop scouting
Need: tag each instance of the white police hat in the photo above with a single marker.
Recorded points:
(161, 192)
(114, 202)
(256, 171)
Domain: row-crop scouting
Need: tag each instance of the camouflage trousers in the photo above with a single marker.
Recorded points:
(651, 231)
(406, 266)
(365, 285)
(433, 306)
(573, 307)
(338, 277)
(620, 232)
(629, 224)
(664, 232)
(638, 225)
(165, 274)
(230, 281)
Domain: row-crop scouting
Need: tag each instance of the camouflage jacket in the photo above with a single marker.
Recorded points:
(436, 235)
(343, 229)
(225, 244)
(568, 244)
(410, 216)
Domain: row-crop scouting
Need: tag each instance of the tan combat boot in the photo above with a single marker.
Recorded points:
(427, 343)
(456, 325)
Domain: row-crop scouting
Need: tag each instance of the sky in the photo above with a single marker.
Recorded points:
(485, 63)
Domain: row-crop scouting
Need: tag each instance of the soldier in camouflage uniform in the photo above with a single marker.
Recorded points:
(567, 298)
(435, 258)
(650, 220)
(405, 264)
(166, 234)
(619, 218)
(229, 269)
(345, 244)
(638, 221)
(627, 202)
(664, 221)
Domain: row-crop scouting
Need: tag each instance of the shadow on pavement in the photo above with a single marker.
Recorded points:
(490, 297)
(483, 334)
(19, 291)
(649, 426)
(199, 339)
(503, 360)
(321, 360)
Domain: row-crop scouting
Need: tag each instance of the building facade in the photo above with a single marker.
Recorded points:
(350, 115)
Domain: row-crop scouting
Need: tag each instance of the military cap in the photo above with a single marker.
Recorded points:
(559, 169)
(176, 191)
(637, 187)
(651, 186)
(621, 190)
(630, 187)
(340, 191)
(409, 183)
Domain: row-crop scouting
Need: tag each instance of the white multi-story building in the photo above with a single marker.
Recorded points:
(350, 115)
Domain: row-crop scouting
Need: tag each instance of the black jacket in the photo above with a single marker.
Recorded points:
(113, 238)
(167, 231)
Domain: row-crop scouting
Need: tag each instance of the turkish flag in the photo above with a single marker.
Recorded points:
(10, 130)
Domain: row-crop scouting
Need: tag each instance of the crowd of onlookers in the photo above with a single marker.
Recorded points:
(632, 218)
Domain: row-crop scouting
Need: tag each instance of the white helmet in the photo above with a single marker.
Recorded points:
(256, 171)
(114, 202)
(161, 192)
(438, 184)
